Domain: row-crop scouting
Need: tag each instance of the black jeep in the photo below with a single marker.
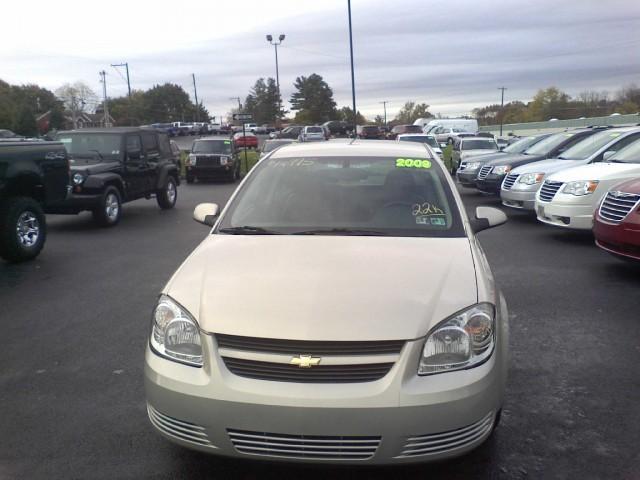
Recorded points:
(213, 158)
(33, 175)
(110, 166)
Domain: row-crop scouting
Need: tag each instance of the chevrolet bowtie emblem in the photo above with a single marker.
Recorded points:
(305, 361)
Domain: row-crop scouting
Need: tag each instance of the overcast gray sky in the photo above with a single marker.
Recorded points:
(451, 54)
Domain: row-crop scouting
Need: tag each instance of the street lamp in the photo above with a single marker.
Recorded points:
(275, 45)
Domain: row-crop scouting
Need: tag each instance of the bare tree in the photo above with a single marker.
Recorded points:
(77, 98)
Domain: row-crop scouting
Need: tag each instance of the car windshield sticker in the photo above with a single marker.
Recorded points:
(426, 209)
(412, 163)
(291, 162)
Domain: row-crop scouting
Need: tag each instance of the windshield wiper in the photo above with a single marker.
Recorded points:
(98, 152)
(248, 230)
(341, 231)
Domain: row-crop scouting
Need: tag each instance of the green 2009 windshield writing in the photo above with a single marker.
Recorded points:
(412, 163)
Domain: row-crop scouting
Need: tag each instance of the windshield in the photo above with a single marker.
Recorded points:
(370, 129)
(628, 154)
(212, 146)
(428, 139)
(478, 145)
(521, 145)
(384, 195)
(92, 146)
(273, 144)
(590, 145)
(314, 130)
(545, 146)
(413, 129)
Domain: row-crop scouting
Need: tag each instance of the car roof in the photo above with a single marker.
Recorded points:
(415, 135)
(355, 148)
(464, 139)
(112, 130)
(212, 139)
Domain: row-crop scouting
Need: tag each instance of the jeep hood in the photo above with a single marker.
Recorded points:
(325, 287)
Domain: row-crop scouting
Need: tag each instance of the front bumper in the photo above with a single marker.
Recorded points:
(573, 216)
(401, 418)
(210, 171)
(621, 239)
(521, 199)
(490, 184)
(467, 178)
(75, 203)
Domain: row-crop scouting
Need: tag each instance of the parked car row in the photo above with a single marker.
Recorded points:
(583, 179)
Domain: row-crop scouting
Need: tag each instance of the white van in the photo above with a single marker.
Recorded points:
(464, 124)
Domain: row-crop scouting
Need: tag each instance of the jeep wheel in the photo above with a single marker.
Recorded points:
(23, 229)
(109, 211)
(168, 194)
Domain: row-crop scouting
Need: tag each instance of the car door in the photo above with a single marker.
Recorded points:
(135, 166)
(154, 160)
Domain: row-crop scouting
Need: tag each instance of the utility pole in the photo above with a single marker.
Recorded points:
(105, 106)
(275, 44)
(384, 104)
(501, 107)
(195, 91)
(126, 66)
(353, 81)
(239, 104)
(74, 106)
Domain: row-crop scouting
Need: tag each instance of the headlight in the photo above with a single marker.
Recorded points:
(501, 169)
(175, 334)
(224, 160)
(78, 178)
(191, 160)
(531, 178)
(580, 187)
(473, 165)
(462, 341)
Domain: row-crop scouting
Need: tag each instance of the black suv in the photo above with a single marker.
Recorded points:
(213, 158)
(110, 166)
(33, 175)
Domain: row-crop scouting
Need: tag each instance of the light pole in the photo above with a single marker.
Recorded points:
(384, 104)
(353, 79)
(275, 45)
(501, 107)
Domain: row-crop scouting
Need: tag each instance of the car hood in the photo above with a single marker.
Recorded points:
(515, 159)
(325, 287)
(598, 171)
(476, 153)
(548, 166)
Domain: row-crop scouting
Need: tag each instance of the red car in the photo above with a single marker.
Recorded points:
(616, 223)
(249, 140)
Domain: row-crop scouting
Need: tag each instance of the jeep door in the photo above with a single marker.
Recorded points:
(135, 166)
(154, 157)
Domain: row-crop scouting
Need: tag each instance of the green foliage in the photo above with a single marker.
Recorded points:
(252, 158)
(262, 101)
(312, 100)
(345, 114)
(25, 122)
(411, 111)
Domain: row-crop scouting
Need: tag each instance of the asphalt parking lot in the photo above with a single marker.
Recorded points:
(75, 323)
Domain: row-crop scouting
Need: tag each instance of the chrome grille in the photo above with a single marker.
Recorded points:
(484, 171)
(449, 440)
(284, 372)
(185, 431)
(296, 347)
(304, 446)
(617, 205)
(549, 189)
(207, 161)
(509, 180)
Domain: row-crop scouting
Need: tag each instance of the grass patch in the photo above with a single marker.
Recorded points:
(251, 159)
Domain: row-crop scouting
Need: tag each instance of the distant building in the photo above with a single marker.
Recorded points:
(83, 120)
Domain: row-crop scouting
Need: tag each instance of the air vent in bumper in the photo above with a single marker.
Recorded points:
(179, 429)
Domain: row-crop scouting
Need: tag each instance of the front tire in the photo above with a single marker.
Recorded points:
(168, 194)
(23, 229)
(109, 211)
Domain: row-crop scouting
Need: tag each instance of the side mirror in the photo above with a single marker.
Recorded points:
(607, 155)
(443, 145)
(206, 213)
(134, 154)
(487, 217)
(501, 148)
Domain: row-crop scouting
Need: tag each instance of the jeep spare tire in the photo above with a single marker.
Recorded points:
(109, 209)
(23, 229)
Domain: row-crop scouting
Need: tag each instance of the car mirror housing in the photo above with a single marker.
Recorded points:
(607, 155)
(206, 213)
(487, 217)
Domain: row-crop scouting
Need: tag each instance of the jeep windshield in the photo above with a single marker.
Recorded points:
(92, 147)
(373, 196)
(212, 146)
(428, 139)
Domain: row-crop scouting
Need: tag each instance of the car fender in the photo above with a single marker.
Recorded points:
(164, 172)
(99, 180)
